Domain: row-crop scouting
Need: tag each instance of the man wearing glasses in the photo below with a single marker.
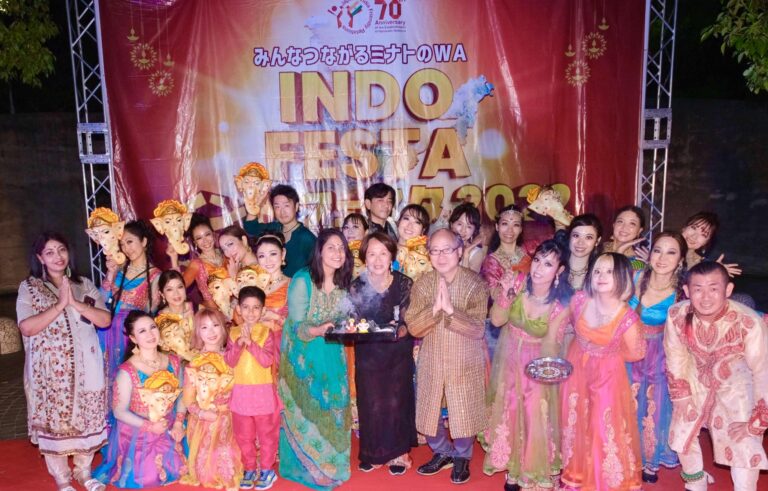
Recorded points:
(448, 309)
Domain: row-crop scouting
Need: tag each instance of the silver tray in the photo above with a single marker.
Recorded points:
(549, 370)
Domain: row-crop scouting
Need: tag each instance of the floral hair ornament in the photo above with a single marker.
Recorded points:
(548, 201)
(106, 229)
(252, 181)
(175, 335)
(172, 220)
(159, 393)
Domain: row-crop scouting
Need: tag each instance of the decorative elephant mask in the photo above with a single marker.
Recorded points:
(106, 229)
(159, 393)
(253, 183)
(172, 220)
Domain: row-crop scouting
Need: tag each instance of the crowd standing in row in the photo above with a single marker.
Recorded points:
(236, 384)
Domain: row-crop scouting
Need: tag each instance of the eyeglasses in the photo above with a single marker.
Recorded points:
(444, 252)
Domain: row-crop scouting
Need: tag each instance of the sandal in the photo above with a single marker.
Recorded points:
(93, 484)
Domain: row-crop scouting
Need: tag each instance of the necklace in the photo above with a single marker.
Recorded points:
(275, 281)
(542, 300)
(663, 288)
(509, 259)
(287, 232)
(153, 364)
(214, 258)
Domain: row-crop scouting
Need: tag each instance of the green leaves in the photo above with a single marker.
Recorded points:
(25, 26)
(743, 28)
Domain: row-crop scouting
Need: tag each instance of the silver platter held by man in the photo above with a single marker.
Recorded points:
(549, 370)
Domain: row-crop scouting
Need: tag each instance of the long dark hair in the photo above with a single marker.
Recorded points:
(36, 268)
(588, 220)
(165, 277)
(342, 277)
(128, 328)
(642, 285)
(562, 290)
(140, 229)
(495, 241)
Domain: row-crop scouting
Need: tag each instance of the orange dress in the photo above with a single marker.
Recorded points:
(600, 439)
(277, 302)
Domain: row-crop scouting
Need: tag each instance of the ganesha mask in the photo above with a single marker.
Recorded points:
(415, 257)
(105, 228)
(253, 183)
(548, 202)
(354, 248)
(252, 276)
(159, 393)
(210, 376)
(175, 335)
(172, 220)
(222, 290)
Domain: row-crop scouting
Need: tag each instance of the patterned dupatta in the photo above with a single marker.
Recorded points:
(50, 385)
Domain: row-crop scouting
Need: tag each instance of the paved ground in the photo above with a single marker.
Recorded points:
(13, 405)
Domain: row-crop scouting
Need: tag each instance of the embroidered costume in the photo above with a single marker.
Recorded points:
(648, 379)
(214, 456)
(315, 435)
(718, 375)
(600, 441)
(523, 435)
(137, 457)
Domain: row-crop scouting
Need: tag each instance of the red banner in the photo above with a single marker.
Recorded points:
(442, 99)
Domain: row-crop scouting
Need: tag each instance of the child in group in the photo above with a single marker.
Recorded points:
(214, 456)
(255, 405)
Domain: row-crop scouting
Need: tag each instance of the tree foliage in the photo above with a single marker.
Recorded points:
(25, 26)
(742, 26)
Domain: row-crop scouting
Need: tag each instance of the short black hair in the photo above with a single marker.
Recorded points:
(380, 190)
(355, 217)
(707, 267)
(251, 292)
(623, 286)
(385, 239)
(473, 216)
(283, 190)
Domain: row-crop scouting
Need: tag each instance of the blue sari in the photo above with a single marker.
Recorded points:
(315, 437)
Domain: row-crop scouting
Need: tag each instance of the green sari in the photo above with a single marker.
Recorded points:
(315, 432)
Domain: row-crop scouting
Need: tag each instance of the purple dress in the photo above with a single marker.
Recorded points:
(648, 381)
(137, 458)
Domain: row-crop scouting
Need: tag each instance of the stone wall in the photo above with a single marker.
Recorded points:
(41, 188)
(719, 162)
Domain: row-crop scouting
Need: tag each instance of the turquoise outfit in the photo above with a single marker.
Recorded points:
(648, 380)
(315, 436)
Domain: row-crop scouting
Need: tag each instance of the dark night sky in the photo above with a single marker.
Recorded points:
(701, 71)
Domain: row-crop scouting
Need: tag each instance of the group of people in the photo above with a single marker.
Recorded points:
(254, 391)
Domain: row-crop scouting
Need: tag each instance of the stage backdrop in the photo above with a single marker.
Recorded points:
(442, 99)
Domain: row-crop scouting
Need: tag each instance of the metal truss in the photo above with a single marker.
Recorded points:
(95, 145)
(93, 134)
(656, 122)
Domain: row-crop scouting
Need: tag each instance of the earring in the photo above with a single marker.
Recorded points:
(557, 281)
(68, 272)
(283, 262)
(45, 272)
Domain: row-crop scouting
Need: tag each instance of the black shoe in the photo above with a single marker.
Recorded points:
(438, 463)
(511, 487)
(365, 467)
(460, 471)
(397, 470)
(650, 478)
